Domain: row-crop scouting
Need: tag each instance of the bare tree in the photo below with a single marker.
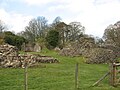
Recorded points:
(35, 29)
(62, 28)
(56, 21)
(112, 34)
(2, 26)
(75, 30)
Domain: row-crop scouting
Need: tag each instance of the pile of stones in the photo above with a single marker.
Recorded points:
(9, 57)
(31, 60)
(114, 48)
(93, 53)
(104, 54)
(7, 53)
(100, 55)
(78, 48)
(70, 52)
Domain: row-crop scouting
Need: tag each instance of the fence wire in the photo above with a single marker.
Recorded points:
(11, 79)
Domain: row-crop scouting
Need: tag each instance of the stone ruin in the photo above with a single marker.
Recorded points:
(78, 48)
(31, 47)
(9, 57)
(103, 54)
(94, 55)
(99, 55)
(92, 52)
(114, 48)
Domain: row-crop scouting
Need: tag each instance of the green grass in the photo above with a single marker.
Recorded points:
(56, 76)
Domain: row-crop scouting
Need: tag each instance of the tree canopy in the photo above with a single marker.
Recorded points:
(52, 39)
(112, 34)
(39, 31)
(13, 39)
(35, 29)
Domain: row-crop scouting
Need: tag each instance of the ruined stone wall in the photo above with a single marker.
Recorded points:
(99, 55)
(93, 53)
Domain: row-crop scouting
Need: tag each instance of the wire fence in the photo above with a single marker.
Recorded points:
(11, 79)
(38, 79)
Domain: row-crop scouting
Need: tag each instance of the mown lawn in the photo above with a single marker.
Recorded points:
(56, 76)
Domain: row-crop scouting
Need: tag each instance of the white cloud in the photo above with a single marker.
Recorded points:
(104, 1)
(101, 16)
(16, 22)
(95, 15)
(41, 2)
(4, 16)
(37, 2)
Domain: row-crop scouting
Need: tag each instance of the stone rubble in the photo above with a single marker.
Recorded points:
(77, 48)
(99, 55)
(9, 57)
(93, 54)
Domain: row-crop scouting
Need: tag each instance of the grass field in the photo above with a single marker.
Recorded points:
(56, 76)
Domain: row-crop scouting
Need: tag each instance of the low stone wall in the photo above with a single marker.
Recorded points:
(34, 59)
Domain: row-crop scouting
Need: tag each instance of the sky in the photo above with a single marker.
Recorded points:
(94, 15)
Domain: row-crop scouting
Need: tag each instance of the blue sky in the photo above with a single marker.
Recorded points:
(95, 15)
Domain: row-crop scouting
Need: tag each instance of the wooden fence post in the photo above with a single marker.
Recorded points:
(112, 74)
(25, 77)
(76, 76)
